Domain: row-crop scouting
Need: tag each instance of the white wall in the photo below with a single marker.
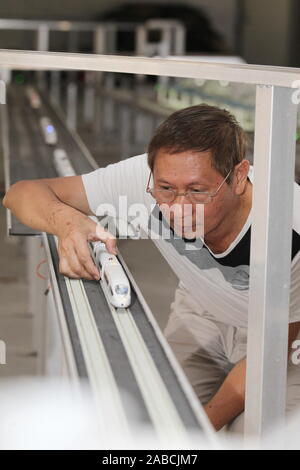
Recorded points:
(222, 14)
(54, 9)
(267, 32)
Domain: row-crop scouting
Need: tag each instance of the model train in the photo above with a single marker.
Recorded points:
(33, 97)
(62, 163)
(114, 280)
(48, 130)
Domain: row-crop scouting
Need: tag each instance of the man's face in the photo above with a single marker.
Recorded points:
(192, 171)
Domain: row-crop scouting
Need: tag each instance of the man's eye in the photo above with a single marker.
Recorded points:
(165, 187)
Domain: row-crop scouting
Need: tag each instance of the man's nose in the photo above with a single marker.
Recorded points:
(182, 206)
(181, 199)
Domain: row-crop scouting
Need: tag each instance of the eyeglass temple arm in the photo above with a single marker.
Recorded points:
(147, 187)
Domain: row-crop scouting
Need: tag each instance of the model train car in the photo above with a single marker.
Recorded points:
(33, 97)
(114, 279)
(62, 163)
(48, 130)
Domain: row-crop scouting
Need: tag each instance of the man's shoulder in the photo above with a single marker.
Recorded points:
(133, 168)
(137, 161)
(296, 211)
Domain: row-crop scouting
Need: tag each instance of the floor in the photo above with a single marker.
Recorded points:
(16, 323)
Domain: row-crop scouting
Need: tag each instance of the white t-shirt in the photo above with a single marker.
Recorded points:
(218, 282)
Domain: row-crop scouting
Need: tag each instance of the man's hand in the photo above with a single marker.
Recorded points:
(75, 260)
(59, 206)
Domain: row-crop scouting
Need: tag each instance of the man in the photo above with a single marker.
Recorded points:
(196, 159)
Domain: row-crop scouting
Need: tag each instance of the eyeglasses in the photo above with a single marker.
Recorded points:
(169, 195)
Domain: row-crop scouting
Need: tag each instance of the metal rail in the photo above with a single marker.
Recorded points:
(250, 74)
(62, 25)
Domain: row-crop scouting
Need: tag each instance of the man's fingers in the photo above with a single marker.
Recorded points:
(80, 273)
(72, 266)
(111, 246)
(75, 258)
(86, 259)
(106, 237)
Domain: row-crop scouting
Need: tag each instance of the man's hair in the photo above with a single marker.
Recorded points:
(201, 128)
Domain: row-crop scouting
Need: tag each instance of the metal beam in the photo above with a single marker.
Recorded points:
(250, 74)
(270, 264)
(31, 25)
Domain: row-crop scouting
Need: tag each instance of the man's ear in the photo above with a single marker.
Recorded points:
(240, 177)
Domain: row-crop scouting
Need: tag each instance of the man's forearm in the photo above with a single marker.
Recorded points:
(229, 401)
(36, 205)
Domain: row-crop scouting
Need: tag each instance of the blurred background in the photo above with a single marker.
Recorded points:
(262, 32)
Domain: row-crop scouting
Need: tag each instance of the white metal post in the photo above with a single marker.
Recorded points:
(89, 97)
(166, 44)
(140, 40)
(100, 40)
(42, 45)
(43, 37)
(55, 86)
(100, 47)
(270, 264)
(111, 39)
(72, 97)
(180, 38)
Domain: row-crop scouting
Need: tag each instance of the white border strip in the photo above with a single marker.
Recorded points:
(5, 150)
(112, 417)
(66, 340)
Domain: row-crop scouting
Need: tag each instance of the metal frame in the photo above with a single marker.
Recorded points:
(104, 32)
(272, 205)
(60, 25)
(249, 74)
(270, 263)
(5, 152)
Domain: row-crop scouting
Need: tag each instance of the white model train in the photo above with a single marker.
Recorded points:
(33, 97)
(48, 130)
(62, 163)
(114, 280)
